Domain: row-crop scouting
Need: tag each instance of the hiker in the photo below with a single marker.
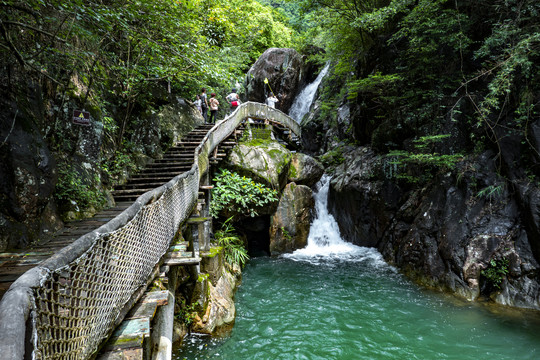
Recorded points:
(214, 106)
(233, 99)
(271, 101)
(204, 104)
(198, 103)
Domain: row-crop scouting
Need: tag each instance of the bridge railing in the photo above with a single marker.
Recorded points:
(69, 304)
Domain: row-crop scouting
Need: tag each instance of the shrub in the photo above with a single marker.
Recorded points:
(233, 248)
(239, 195)
(496, 272)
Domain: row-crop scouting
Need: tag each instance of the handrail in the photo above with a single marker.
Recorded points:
(67, 305)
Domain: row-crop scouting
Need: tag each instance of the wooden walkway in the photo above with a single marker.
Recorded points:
(176, 160)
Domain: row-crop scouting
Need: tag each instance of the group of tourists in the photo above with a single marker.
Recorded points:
(204, 103)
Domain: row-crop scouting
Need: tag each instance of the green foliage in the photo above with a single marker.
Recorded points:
(71, 188)
(422, 159)
(239, 195)
(496, 272)
(202, 277)
(187, 313)
(490, 192)
(375, 83)
(234, 250)
(118, 164)
(119, 52)
(286, 234)
(333, 158)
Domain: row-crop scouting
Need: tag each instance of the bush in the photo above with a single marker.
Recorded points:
(496, 272)
(71, 188)
(233, 248)
(238, 195)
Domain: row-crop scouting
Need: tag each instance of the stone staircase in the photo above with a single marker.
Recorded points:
(176, 160)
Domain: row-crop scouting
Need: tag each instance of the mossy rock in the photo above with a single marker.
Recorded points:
(305, 170)
(264, 161)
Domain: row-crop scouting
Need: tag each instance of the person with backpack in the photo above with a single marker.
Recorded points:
(204, 105)
(214, 106)
(233, 99)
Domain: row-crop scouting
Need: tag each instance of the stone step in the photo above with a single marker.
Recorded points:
(178, 163)
(157, 174)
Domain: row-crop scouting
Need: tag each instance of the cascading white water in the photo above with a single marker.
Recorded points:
(325, 242)
(302, 102)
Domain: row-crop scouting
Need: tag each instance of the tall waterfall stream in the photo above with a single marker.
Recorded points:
(334, 300)
(302, 103)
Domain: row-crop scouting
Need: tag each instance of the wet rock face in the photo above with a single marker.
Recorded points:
(362, 206)
(305, 170)
(283, 69)
(27, 179)
(445, 234)
(220, 310)
(289, 226)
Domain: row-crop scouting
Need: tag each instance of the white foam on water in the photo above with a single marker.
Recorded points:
(325, 241)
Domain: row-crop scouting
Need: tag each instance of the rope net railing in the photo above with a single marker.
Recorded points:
(68, 305)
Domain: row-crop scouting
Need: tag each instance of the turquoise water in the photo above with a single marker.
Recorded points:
(335, 300)
(359, 308)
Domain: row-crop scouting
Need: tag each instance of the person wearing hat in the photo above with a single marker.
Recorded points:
(233, 99)
(214, 106)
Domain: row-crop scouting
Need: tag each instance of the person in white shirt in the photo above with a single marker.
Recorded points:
(271, 101)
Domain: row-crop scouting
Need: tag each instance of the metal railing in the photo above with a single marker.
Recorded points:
(69, 304)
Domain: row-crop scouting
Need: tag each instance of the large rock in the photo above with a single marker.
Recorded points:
(289, 226)
(27, 179)
(362, 205)
(444, 234)
(305, 170)
(266, 162)
(283, 69)
(220, 310)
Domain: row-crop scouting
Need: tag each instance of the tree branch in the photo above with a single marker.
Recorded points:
(35, 29)
(10, 44)
(11, 130)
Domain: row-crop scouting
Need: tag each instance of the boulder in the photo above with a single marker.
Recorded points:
(283, 69)
(266, 162)
(305, 170)
(289, 226)
(220, 311)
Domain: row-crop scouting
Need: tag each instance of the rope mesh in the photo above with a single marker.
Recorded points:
(77, 305)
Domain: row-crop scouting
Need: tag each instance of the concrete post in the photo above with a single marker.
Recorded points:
(162, 332)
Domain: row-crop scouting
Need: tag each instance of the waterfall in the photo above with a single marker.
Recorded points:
(303, 101)
(325, 241)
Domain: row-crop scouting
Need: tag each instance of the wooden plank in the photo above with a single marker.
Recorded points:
(178, 255)
(125, 354)
(206, 187)
(143, 310)
(159, 297)
(130, 334)
(182, 261)
(178, 247)
(197, 220)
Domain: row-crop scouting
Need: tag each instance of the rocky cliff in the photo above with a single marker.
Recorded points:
(53, 169)
(464, 232)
